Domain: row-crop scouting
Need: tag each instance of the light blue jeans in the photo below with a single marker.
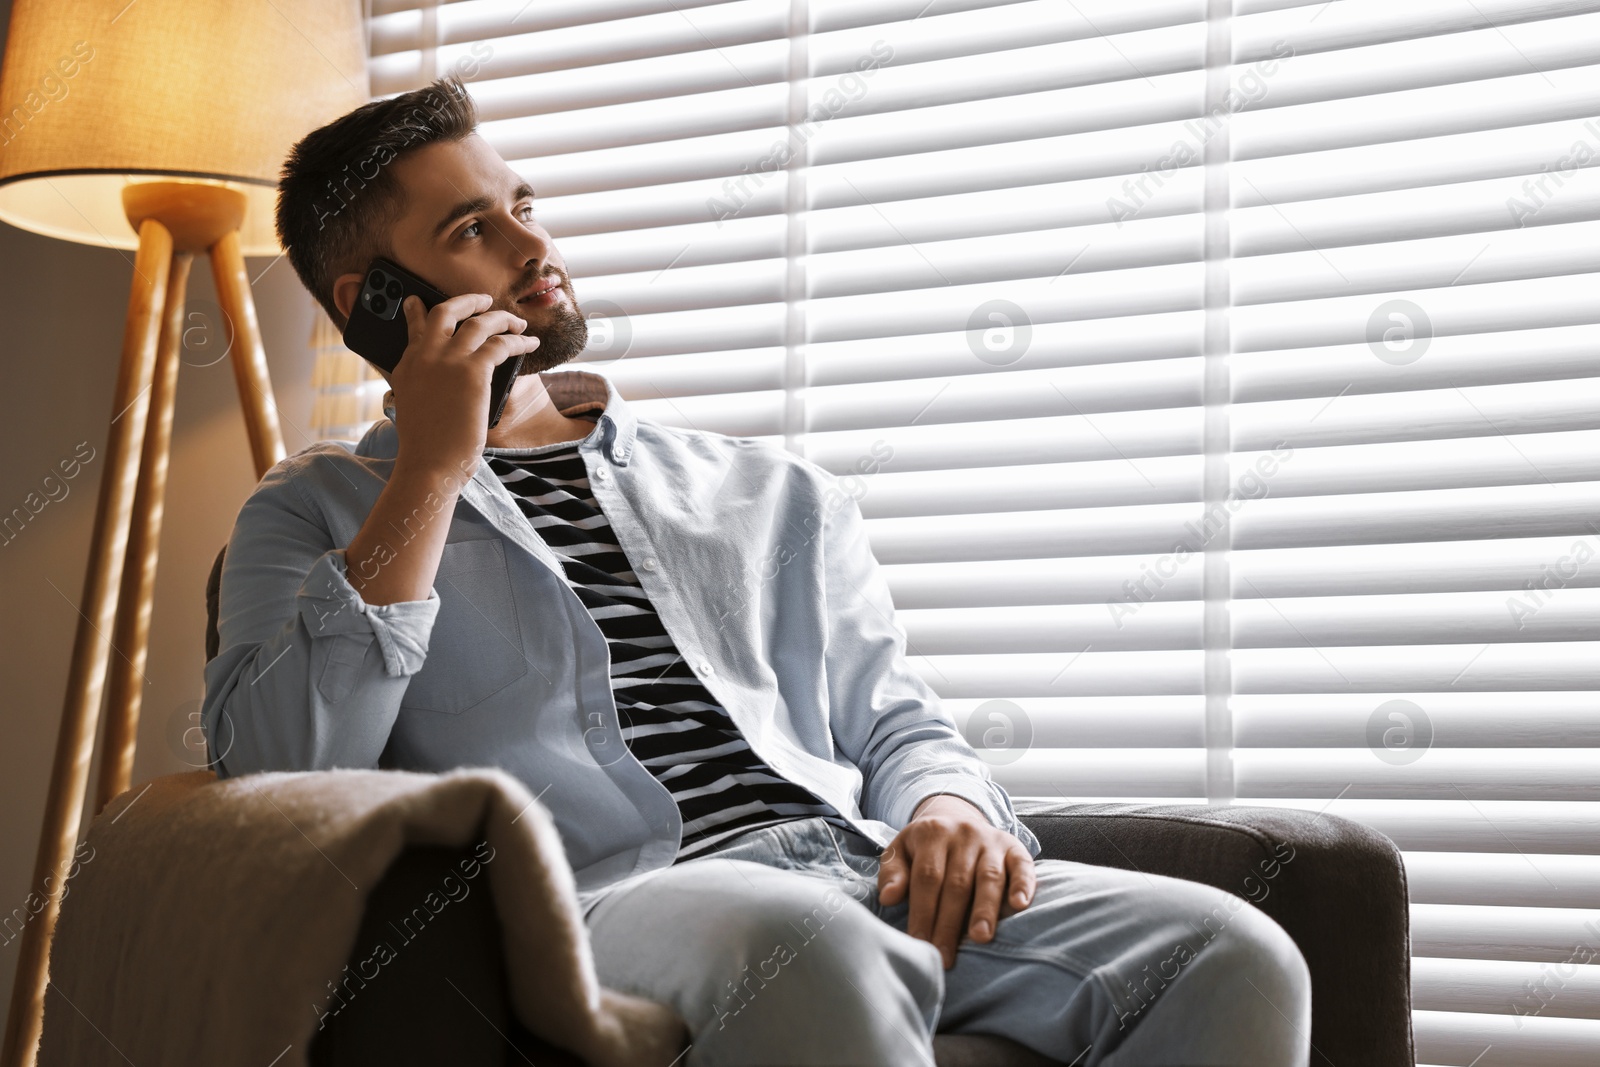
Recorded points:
(775, 951)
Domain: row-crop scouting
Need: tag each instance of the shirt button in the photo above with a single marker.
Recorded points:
(649, 564)
(601, 474)
(707, 668)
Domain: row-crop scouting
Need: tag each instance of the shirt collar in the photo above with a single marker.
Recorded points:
(575, 392)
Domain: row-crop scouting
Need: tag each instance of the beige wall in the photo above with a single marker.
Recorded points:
(63, 307)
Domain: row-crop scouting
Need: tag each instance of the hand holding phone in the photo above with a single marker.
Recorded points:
(379, 332)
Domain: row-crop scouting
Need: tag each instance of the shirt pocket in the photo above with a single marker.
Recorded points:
(475, 649)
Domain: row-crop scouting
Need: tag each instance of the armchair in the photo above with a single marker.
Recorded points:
(1337, 887)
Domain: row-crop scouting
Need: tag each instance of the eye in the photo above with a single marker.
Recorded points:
(465, 230)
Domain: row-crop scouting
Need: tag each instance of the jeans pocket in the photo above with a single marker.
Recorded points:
(810, 843)
(767, 845)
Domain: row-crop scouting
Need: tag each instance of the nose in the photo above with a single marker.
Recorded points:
(529, 245)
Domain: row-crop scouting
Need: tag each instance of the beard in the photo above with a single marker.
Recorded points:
(563, 335)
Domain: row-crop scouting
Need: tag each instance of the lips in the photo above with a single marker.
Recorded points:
(541, 287)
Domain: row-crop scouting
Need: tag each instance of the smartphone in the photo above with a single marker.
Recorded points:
(377, 328)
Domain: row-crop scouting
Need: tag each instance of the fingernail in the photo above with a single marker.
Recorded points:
(981, 930)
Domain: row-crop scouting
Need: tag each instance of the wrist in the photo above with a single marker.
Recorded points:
(437, 477)
(948, 802)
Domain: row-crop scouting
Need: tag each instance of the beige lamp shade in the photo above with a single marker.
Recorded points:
(99, 94)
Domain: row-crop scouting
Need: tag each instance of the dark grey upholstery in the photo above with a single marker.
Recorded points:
(1337, 887)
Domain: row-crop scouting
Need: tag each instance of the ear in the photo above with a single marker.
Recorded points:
(345, 290)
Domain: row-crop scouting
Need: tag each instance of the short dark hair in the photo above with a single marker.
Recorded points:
(337, 198)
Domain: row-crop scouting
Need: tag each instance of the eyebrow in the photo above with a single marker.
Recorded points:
(476, 204)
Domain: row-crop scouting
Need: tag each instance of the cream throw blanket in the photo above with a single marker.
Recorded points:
(207, 917)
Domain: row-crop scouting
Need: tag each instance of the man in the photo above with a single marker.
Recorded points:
(682, 644)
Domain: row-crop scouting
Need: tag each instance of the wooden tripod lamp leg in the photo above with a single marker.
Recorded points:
(249, 357)
(132, 634)
(69, 774)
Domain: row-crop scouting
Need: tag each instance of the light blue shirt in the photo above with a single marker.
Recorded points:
(756, 560)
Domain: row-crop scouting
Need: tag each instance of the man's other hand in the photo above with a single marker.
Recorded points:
(951, 858)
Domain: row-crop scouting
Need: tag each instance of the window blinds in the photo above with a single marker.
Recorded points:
(1224, 380)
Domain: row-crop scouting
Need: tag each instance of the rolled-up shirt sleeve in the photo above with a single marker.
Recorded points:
(307, 676)
(329, 604)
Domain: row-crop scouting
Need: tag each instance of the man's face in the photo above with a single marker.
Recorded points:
(492, 247)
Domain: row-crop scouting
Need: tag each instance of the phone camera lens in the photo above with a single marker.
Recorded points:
(393, 289)
(378, 303)
(376, 279)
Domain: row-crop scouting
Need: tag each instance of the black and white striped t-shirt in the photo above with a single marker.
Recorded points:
(670, 721)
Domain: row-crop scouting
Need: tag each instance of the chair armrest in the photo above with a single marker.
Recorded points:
(1337, 887)
(438, 995)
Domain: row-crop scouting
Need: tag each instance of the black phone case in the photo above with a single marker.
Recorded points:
(377, 328)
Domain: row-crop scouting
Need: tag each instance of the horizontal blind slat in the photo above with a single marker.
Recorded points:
(1500, 879)
(1454, 719)
(1473, 774)
(1013, 676)
(1048, 580)
(1557, 665)
(596, 31)
(1561, 991)
(1456, 361)
(1467, 55)
(1512, 1041)
(1567, 614)
(1473, 932)
(1495, 258)
(1537, 509)
(1358, 23)
(1463, 308)
(1419, 567)
(930, 444)
(1152, 528)
(996, 726)
(1506, 565)
(1417, 162)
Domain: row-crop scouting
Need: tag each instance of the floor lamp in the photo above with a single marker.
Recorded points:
(157, 129)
